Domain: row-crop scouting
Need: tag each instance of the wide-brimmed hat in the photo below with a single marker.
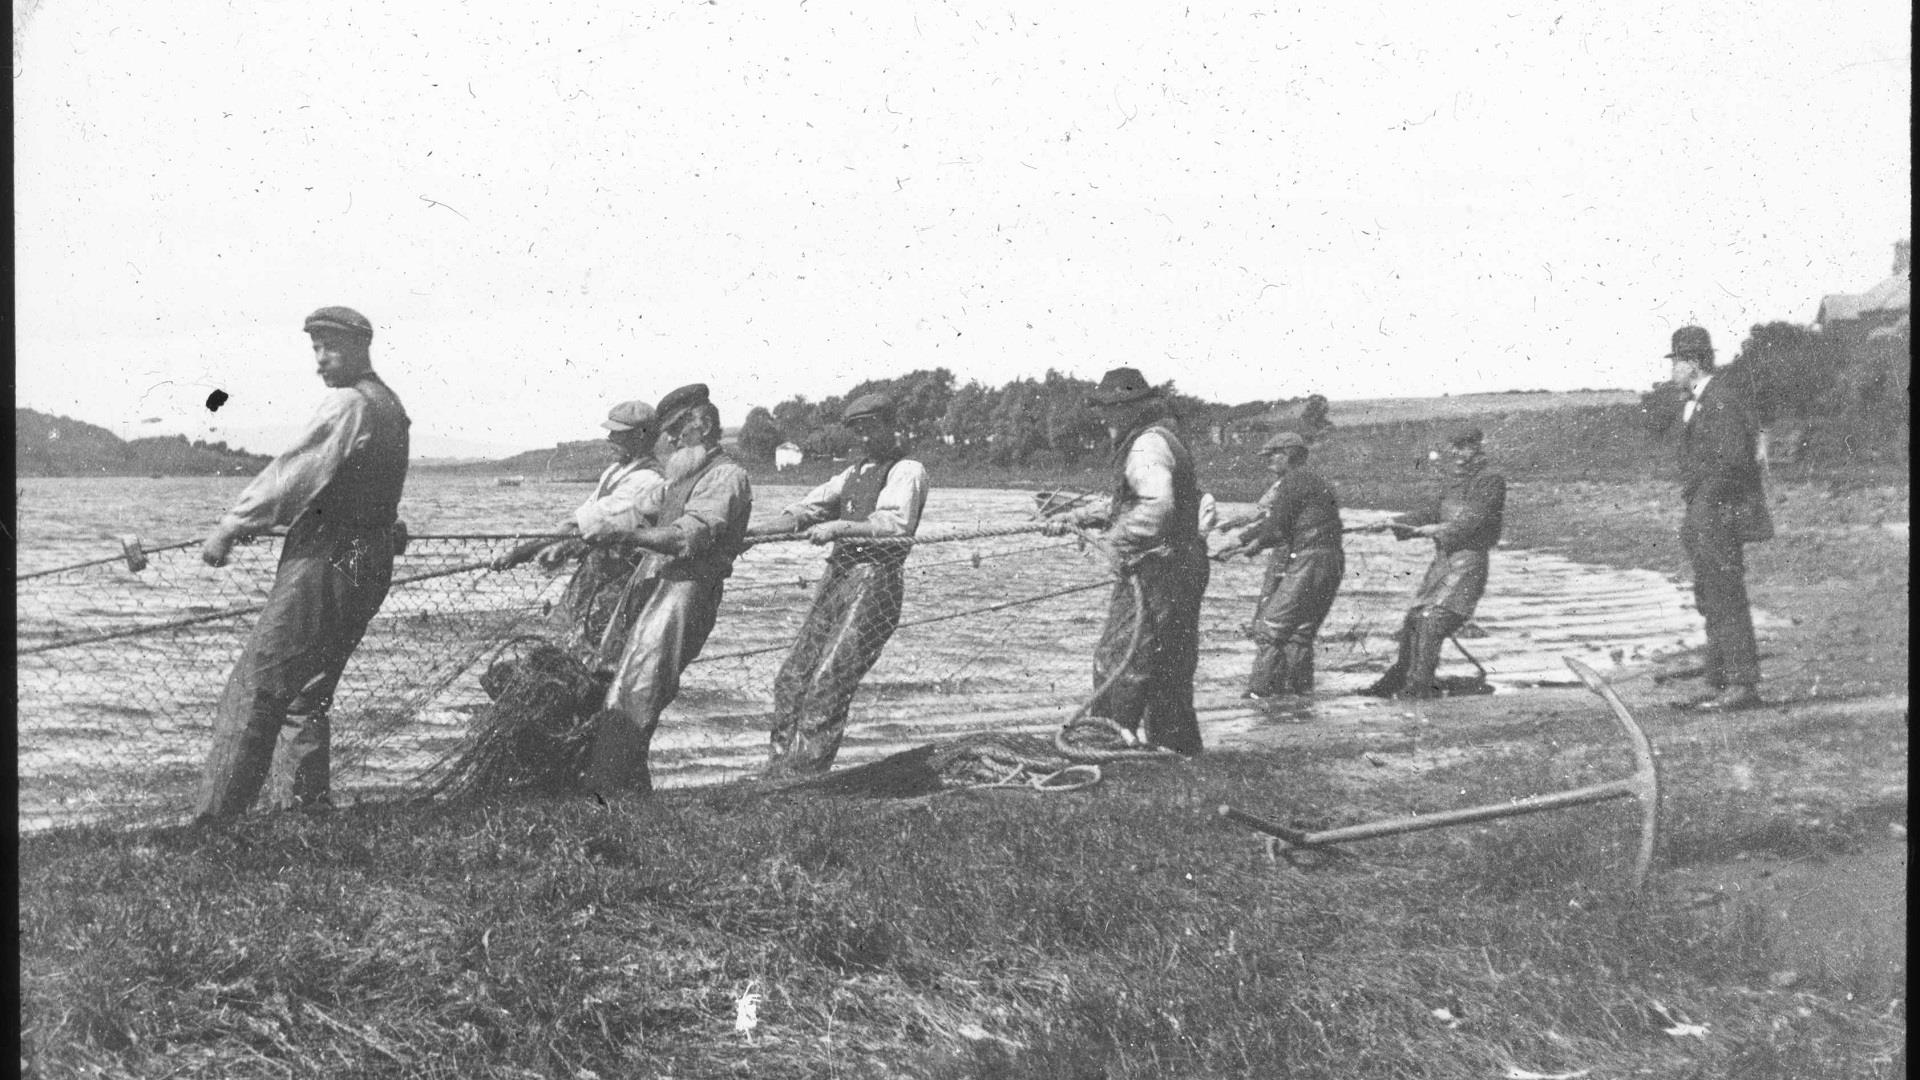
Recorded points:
(1691, 341)
(1121, 386)
(877, 406)
(343, 320)
(628, 415)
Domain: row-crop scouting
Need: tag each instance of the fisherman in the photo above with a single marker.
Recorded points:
(1301, 531)
(338, 492)
(857, 606)
(702, 526)
(1463, 520)
(1720, 482)
(1153, 537)
(626, 499)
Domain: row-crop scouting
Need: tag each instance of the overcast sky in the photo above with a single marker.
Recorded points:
(547, 209)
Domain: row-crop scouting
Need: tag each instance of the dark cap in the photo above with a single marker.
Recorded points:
(628, 415)
(1472, 436)
(1690, 342)
(1121, 386)
(1285, 440)
(343, 320)
(679, 401)
(869, 406)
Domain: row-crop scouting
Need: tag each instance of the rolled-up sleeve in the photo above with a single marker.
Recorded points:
(720, 500)
(897, 510)
(634, 503)
(822, 503)
(1149, 472)
(290, 483)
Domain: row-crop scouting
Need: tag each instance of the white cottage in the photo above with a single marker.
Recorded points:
(787, 454)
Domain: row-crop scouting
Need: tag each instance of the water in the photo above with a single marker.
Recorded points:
(139, 713)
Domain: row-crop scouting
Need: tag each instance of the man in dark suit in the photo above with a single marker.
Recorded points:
(1726, 508)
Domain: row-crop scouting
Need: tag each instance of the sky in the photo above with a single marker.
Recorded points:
(549, 209)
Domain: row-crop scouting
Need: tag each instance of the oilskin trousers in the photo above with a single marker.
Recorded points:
(854, 614)
(329, 585)
(667, 635)
(1421, 635)
(1152, 695)
(1299, 592)
(1720, 593)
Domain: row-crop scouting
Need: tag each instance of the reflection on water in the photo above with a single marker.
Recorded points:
(1023, 668)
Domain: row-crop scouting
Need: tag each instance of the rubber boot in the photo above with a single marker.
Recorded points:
(1269, 678)
(618, 766)
(1429, 633)
(1394, 678)
(1299, 670)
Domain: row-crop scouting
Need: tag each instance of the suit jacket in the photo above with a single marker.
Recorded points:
(1717, 447)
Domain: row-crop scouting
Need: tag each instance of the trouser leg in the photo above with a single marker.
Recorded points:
(1720, 594)
(850, 644)
(831, 606)
(1430, 631)
(667, 635)
(1394, 678)
(311, 623)
(1312, 585)
(1152, 693)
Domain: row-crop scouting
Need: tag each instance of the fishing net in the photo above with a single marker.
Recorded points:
(458, 688)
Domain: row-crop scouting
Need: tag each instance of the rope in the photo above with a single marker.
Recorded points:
(101, 561)
(216, 616)
(979, 533)
(929, 619)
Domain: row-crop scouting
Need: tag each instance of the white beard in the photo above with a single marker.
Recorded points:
(685, 461)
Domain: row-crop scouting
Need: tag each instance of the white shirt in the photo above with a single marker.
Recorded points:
(896, 513)
(1149, 472)
(1686, 411)
(627, 498)
(290, 482)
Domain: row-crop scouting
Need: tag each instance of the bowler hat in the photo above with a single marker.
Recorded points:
(679, 401)
(1472, 436)
(875, 406)
(1691, 341)
(1120, 387)
(628, 415)
(1285, 440)
(343, 320)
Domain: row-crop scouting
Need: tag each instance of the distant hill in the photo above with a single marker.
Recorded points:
(581, 460)
(46, 445)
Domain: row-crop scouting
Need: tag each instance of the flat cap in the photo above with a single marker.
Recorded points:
(1120, 387)
(628, 415)
(1472, 436)
(1691, 341)
(1285, 440)
(877, 406)
(343, 320)
(679, 401)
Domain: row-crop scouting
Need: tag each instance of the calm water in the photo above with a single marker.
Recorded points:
(129, 717)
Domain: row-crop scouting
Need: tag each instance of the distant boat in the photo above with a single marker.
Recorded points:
(509, 481)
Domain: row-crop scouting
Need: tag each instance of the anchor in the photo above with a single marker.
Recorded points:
(1643, 785)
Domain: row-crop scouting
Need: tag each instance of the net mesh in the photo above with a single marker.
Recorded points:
(119, 671)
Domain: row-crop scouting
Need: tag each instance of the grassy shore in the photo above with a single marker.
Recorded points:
(1119, 932)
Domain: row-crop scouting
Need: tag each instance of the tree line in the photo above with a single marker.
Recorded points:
(1025, 421)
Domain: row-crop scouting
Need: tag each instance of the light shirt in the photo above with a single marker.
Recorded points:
(626, 499)
(290, 482)
(1693, 402)
(1149, 473)
(895, 513)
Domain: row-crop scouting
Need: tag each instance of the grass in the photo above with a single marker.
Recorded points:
(1116, 933)
(1124, 933)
